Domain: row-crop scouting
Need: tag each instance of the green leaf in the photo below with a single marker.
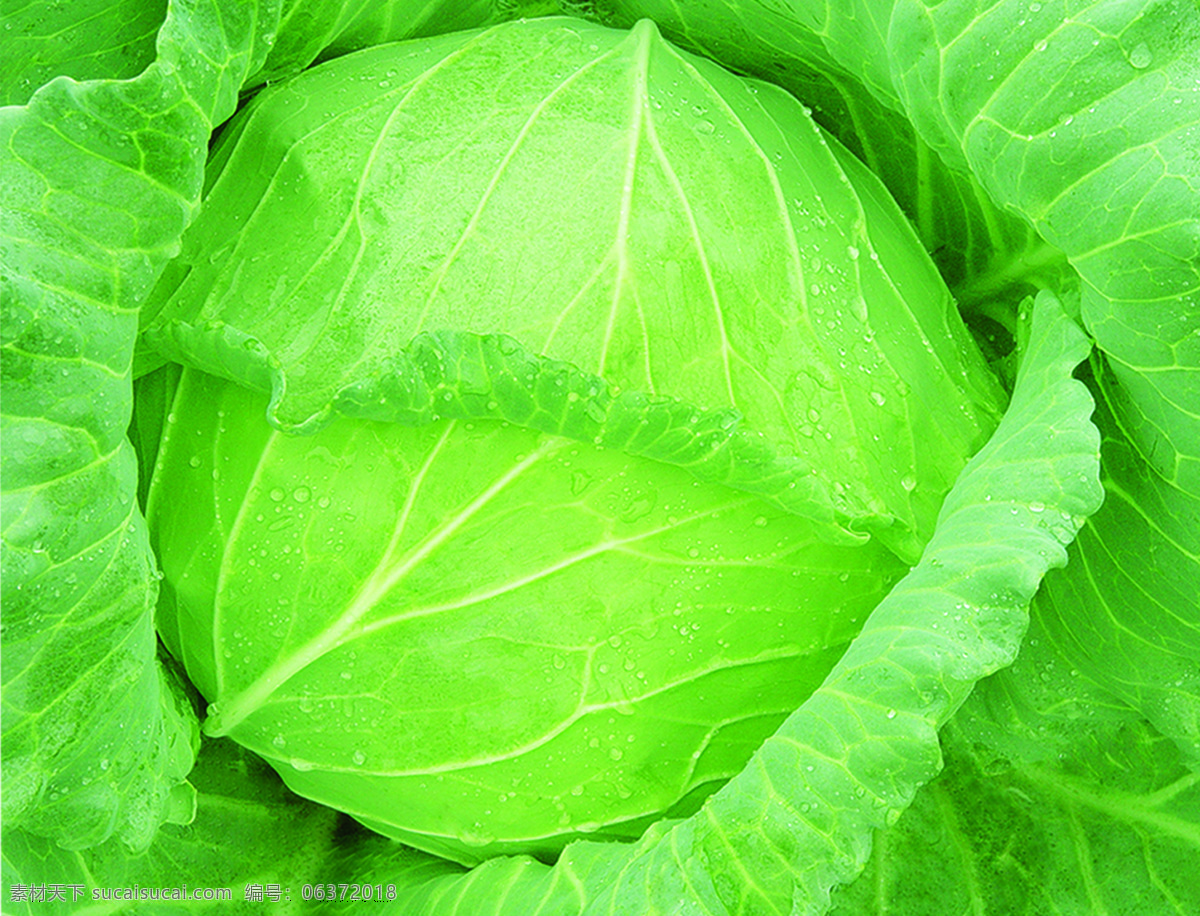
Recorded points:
(649, 633)
(981, 251)
(247, 831)
(312, 30)
(99, 180)
(614, 255)
(1085, 118)
(1116, 631)
(93, 39)
(1112, 828)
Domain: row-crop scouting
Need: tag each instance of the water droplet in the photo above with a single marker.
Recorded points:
(909, 482)
(194, 461)
(277, 494)
(580, 481)
(1140, 57)
(359, 758)
(638, 506)
(301, 494)
(1061, 534)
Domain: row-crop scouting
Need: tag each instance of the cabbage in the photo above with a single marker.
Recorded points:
(609, 463)
(533, 597)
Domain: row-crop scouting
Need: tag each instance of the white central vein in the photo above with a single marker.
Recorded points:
(701, 253)
(639, 100)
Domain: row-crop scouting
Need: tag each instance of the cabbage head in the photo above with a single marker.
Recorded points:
(558, 406)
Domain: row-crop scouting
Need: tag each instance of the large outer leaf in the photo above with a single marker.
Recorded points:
(248, 832)
(87, 39)
(979, 249)
(1129, 614)
(1103, 162)
(1114, 828)
(1118, 631)
(320, 29)
(99, 181)
(1085, 118)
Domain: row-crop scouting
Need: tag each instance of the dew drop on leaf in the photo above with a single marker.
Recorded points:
(1140, 57)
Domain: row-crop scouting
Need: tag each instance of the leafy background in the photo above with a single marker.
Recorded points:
(1033, 145)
